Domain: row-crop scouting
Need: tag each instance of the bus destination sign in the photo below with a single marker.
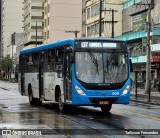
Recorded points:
(98, 45)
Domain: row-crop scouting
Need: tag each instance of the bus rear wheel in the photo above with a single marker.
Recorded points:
(106, 108)
(32, 100)
(61, 105)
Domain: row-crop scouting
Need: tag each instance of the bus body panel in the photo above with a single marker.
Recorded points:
(52, 79)
(32, 78)
(50, 82)
(115, 96)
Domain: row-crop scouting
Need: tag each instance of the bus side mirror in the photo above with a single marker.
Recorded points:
(68, 49)
(130, 63)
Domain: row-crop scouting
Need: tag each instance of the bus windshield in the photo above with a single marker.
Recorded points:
(101, 66)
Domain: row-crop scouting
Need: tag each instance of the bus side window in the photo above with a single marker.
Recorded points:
(29, 59)
(21, 63)
(29, 62)
(59, 58)
(35, 61)
(51, 59)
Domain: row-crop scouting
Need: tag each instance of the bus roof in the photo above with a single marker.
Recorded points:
(64, 42)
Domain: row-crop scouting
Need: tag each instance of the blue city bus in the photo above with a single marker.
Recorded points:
(80, 72)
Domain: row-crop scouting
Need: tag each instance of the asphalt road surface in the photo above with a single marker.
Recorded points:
(18, 118)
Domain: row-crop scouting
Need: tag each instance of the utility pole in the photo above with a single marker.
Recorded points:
(148, 54)
(100, 17)
(148, 51)
(12, 61)
(75, 32)
(112, 21)
(36, 33)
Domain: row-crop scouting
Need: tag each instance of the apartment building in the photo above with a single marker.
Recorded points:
(111, 18)
(11, 21)
(62, 19)
(33, 24)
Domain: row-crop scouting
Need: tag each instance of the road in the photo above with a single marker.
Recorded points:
(17, 115)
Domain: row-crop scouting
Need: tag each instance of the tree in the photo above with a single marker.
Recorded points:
(5, 65)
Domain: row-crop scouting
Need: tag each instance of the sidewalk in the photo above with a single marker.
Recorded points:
(142, 97)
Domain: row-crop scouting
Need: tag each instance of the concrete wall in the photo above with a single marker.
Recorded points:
(65, 15)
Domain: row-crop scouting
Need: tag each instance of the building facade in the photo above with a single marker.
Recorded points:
(62, 19)
(16, 41)
(33, 24)
(11, 21)
(1, 31)
(134, 31)
(111, 18)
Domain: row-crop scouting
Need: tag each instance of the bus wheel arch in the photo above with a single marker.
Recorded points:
(32, 100)
(57, 91)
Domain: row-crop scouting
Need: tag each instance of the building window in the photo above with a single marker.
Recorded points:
(48, 8)
(93, 11)
(48, 21)
(88, 31)
(97, 28)
(88, 13)
(48, 34)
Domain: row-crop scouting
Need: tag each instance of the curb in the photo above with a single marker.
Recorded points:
(146, 96)
(145, 100)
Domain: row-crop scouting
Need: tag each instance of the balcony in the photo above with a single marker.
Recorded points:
(37, 17)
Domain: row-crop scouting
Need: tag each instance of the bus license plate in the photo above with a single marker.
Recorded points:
(104, 102)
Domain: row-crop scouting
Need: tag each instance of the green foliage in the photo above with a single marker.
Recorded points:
(6, 63)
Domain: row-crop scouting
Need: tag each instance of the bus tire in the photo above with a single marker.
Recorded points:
(106, 108)
(32, 100)
(61, 105)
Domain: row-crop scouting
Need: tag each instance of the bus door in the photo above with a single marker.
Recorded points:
(67, 77)
(41, 75)
(22, 71)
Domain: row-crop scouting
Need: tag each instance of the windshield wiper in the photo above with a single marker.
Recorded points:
(94, 59)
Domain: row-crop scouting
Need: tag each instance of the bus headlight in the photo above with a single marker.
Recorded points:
(79, 91)
(126, 90)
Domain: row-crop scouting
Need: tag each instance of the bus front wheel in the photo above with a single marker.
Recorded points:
(106, 108)
(61, 105)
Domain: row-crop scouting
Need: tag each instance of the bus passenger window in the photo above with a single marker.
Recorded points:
(36, 61)
(51, 59)
(29, 59)
(59, 58)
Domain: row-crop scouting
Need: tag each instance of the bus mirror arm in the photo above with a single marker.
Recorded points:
(72, 58)
(130, 63)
